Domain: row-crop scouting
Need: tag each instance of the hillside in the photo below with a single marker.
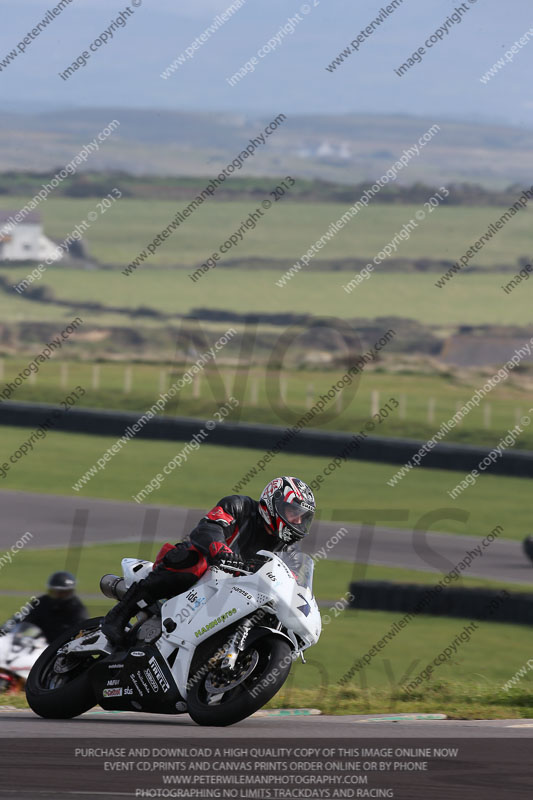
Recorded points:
(344, 148)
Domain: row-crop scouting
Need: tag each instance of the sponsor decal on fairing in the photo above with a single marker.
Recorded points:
(117, 692)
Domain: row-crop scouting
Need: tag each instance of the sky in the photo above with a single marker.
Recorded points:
(126, 71)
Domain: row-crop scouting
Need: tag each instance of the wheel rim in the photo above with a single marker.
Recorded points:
(212, 691)
(62, 669)
(220, 681)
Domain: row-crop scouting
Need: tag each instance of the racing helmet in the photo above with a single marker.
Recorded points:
(288, 507)
(61, 585)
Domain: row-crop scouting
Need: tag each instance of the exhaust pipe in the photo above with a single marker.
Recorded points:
(113, 587)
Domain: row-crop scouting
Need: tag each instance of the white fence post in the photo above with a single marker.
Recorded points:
(226, 378)
(196, 387)
(254, 390)
(128, 379)
(310, 395)
(402, 411)
(63, 375)
(283, 389)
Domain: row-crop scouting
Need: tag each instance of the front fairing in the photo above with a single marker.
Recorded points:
(289, 577)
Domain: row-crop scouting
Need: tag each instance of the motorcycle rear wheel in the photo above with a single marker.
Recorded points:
(67, 694)
(266, 679)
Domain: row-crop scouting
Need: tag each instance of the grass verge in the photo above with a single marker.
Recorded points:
(456, 700)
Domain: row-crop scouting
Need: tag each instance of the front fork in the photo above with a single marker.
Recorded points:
(236, 645)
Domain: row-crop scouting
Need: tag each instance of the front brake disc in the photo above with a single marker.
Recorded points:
(223, 680)
(64, 664)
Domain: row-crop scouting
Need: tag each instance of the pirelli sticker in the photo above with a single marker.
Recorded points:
(214, 622)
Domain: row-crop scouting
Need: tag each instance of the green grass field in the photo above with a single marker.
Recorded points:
(285, 231)
(477, 298)
(60, 459)
(14, 308)
(258, 391)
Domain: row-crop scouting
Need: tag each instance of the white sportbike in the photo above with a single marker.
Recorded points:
(19, 649)
(219, 651)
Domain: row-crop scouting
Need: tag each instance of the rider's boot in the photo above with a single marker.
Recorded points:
(159, 584)
(135, 599)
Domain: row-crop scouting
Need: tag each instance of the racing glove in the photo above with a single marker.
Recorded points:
(219, 552)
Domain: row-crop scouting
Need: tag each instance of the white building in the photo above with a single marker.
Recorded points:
(25, 241)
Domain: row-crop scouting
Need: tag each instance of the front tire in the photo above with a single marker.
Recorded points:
(66, 694)
(268, 676)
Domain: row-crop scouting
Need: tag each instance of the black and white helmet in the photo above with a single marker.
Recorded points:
(61, 585)
(288, 507)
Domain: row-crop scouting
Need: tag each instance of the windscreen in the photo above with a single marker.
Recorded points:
(301, 565)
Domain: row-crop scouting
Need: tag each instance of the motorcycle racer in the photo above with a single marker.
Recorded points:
(233, 531)
(56, 611)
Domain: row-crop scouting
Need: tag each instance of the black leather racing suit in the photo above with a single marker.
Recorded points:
(234, 521)
(54, 616)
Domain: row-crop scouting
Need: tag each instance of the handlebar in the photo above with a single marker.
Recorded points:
(236, 563)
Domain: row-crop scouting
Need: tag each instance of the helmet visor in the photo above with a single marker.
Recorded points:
(60, 594)
(296, 516)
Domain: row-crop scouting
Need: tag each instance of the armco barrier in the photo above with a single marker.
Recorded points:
(450, 602)
(310, 441)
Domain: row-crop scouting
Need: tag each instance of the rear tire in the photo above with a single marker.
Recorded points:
(64, 695)
(238, 703)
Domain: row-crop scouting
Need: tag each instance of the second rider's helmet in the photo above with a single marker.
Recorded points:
(61, 585)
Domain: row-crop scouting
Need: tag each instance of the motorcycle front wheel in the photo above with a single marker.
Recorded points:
(59, 687)
(222, 698)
